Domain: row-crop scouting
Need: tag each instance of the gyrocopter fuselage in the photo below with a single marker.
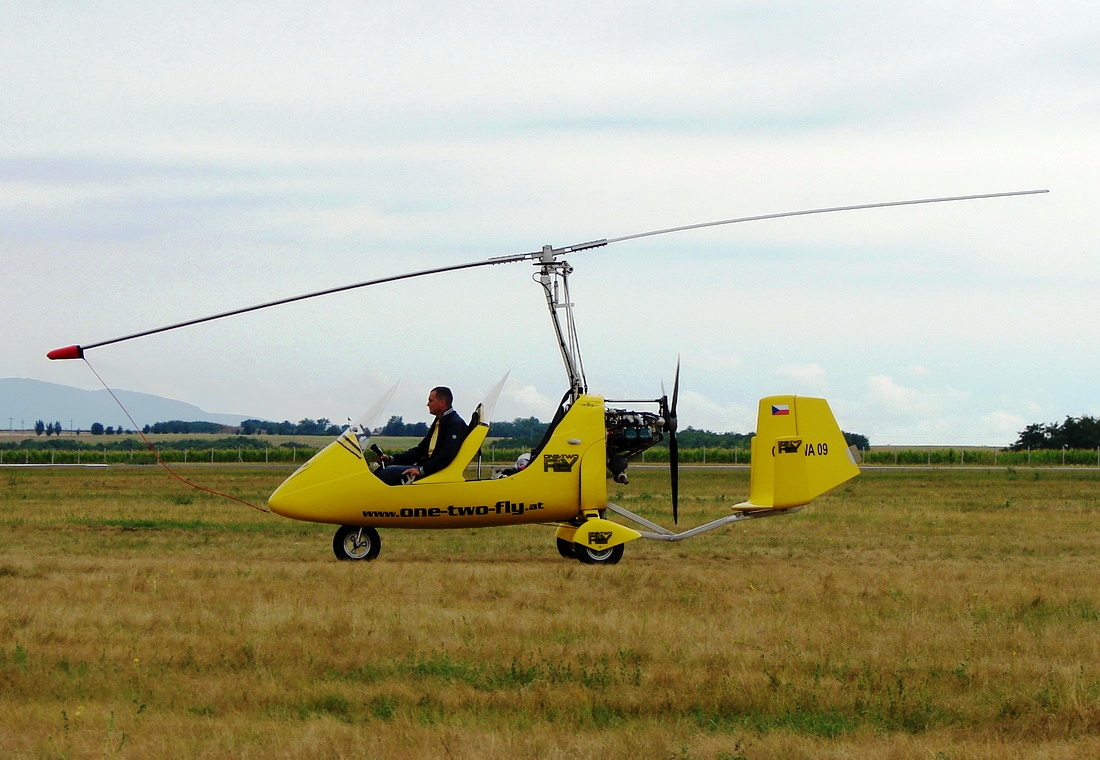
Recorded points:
(565, 483)
(797, 454)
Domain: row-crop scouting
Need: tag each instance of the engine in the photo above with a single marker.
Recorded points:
(628, 435)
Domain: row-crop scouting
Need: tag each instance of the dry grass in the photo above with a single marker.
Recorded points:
(949, 614)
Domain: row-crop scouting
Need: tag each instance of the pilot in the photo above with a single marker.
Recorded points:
(438, 448)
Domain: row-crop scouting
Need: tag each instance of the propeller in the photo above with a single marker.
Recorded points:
(668, 411)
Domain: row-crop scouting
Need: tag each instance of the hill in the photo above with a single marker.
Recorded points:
(23, 401)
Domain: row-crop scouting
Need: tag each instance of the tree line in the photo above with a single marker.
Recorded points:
(247, 427)
(53, 428)
(322, 426)
(526, 432)
(522, 432)
(97, 428)
(306, 426)
(1072, 433)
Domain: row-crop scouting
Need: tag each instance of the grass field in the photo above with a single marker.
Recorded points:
(929, 614)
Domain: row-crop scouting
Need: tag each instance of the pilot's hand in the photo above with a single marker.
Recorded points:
(411, 474)
(384, 458)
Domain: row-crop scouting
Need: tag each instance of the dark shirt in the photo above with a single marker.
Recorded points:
(452, 432)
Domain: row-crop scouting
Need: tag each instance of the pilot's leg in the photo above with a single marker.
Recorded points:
(391, 474)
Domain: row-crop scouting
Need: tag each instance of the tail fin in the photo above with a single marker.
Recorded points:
(798, 453)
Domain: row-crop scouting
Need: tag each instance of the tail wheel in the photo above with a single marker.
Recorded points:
(354, 542)
(599, 556)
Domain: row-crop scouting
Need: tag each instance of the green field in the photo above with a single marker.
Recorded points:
(911, 613)
(23, 448)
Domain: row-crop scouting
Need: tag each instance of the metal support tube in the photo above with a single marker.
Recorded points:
(554, 280)
(663, 534)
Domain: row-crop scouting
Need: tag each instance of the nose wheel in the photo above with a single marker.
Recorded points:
(354, 542)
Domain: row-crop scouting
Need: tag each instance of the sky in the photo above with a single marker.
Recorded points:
(165, 161)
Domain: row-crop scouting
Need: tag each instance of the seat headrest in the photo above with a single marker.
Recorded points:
(475, 418)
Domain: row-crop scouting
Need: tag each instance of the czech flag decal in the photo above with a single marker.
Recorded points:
(780, 410)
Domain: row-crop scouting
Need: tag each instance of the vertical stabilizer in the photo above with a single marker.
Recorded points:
(798, 453)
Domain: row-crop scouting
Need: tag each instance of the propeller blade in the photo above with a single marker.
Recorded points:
(675, 394)
(673, 448)
(674, 469)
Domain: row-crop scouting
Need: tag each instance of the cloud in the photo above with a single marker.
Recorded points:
(1002, 423)
(901, 414)
(521, 400)
(808, 378)
(183, 159)
(702, 413)
(915, 403)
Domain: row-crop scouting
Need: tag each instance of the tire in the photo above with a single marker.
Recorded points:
(354, 543)
(599, 556)
(567, 549)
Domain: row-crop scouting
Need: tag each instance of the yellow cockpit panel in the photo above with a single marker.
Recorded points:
(338, 486)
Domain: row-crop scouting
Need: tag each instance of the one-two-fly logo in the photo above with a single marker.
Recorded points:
(503, 507)
(792, 445)
(789, 446)
(559, 462)
(599, 537)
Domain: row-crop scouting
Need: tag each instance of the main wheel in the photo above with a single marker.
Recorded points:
(599, 556)
(353, 542)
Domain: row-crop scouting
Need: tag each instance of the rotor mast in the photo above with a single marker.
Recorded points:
(554, 278)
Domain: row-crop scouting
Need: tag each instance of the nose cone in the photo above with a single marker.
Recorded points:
(331, 487)
(287, 499)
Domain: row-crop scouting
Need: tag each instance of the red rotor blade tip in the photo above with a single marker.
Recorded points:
(68, 352)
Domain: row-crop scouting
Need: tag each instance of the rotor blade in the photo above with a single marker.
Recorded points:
(830, 210)
(77, 351)
(545, 256)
